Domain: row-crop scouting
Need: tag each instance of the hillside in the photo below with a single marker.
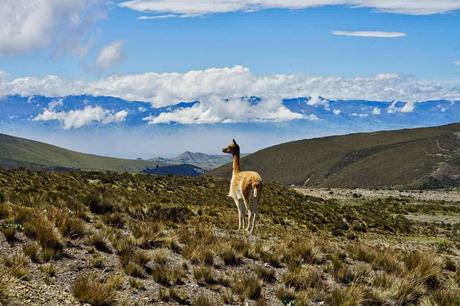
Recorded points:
(15, 151)
(202, 160)
(409, 158)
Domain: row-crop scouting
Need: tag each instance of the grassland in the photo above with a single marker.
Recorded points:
(423, 158)
(125, 239)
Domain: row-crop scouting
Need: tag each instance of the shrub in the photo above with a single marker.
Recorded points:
(101, 204)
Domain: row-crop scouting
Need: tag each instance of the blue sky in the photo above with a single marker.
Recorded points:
(161, 52)
(267, 41)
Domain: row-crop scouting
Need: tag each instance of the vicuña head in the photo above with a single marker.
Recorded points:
(245, 189)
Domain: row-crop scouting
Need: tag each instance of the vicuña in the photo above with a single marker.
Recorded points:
(245, 186)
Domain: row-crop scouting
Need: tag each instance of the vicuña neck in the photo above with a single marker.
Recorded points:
(236, 163)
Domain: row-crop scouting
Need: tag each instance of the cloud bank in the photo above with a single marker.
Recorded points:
(79, 118)
(375, 34)
(181, 8)
(222, 92)
(27, 25)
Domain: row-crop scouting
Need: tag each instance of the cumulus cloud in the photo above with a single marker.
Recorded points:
(27, 25)
(220, 92)
(202, 7)
(78, 118)
(162, 89)
(374, 34)
(110, 55)
(217, 110)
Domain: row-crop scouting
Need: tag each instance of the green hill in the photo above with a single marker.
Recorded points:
(409, 158)
(18, 152)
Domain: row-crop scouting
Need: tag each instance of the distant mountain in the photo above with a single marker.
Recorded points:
(411, 158)
(19, 152)
(323, 113)
(202, 160)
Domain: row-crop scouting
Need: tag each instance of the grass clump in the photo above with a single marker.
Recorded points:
(303, 278)
(88, 288)
(204, 300)
(348, 296)
(17, 265)
(265, 274)
(168, 275)
(247, 285)
(99, 242)
(32, 249)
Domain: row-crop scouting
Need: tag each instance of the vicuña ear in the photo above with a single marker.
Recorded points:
(234, 142)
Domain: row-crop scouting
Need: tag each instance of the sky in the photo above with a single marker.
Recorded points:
(164, 52)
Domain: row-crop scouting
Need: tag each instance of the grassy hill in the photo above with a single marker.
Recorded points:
(16, 152)
(410, 158)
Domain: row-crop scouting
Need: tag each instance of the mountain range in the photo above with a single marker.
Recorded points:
(50, 111)
(424, 158)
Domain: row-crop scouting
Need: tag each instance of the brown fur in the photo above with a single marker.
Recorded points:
(245, 186)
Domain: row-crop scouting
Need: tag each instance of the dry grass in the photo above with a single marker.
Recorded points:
(303, 278)
(168, 275)
(32, 249)
(100, 242)
(247, 285)
(88, 288)
(204, 300)
(265, 274)
(17, 265)
(348, 296)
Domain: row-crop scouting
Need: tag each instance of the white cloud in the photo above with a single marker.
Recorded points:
(374, 34)
(110, 55)
(202, 7)
(27, 25)
(164, 89)
(457, 63)
(216, 110)
(2, 74)
(78, 118)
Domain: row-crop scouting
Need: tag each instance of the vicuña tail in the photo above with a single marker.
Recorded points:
(256, 189)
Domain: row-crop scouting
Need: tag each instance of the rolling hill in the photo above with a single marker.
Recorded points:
(202, 160)
(18, 152)
(410, 158)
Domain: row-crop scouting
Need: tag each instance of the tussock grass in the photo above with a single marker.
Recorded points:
(348, 296)
(17, 265)
(88, 288)
(32, 249)
(247, 285)
(168, 275)
(265, 274)
(303, 278)
(100, 242)
(204, 300)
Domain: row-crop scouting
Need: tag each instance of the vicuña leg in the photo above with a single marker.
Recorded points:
(254, 210)
(241, 213)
